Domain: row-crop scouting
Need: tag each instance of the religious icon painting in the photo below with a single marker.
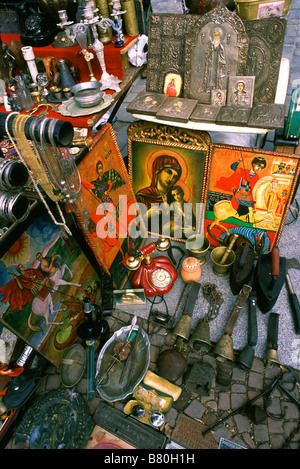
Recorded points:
(218, 97)
(44, 277)
(112, 230)
(249, 193)
(240, 91)
(173, 84)
(168, 169)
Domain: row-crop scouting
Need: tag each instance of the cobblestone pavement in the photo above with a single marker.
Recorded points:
(203, 407)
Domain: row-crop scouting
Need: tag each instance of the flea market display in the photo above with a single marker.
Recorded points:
(179, 239)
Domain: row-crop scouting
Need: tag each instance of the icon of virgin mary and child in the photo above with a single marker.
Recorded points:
(163, 203)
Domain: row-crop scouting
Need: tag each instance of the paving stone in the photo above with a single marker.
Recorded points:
(291, 410)
(248, 440)
(258, 365)
(237, 400)
(195, 409)
(157, 340)
(238, 388)
(53, 382)
(212, 405)
(275, 426)
(255, 380)
(238, 374)
(94, 404)
(263, 446)
(238, 440)
(242, 422)
(210, 360)
(261, 433)
(276, 441)
(171, 417)
(224, 401)
(154, 352)
(274, 406)
(222, 432)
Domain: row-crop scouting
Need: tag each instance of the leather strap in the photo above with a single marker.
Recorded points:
(272, 338)
(243, 295)
(252, 321)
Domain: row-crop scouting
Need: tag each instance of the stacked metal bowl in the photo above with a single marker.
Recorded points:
(87, 94)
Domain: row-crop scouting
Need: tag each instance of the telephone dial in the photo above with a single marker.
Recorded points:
(38, 29)
(155, 275)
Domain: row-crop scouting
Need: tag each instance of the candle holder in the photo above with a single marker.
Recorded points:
(63, 39)
(79, 30)
(117, 23)
(108, 81)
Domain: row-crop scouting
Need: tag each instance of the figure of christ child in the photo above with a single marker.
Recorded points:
(166, 171)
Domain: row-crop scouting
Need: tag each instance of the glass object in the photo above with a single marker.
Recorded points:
(42, 80)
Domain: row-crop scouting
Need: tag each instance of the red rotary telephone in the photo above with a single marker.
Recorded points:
(155, 275)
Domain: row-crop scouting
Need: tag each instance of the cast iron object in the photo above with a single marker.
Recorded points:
(270, 279)
(256, 414)
(241, 270)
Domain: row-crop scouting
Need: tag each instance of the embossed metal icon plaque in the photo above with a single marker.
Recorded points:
(146, 103)
(216, 48)
(266, 38)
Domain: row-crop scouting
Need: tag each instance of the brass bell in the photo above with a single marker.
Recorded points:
(272, 356)
(200, 339)
(183, 327)
(224, 347)
(246, 357)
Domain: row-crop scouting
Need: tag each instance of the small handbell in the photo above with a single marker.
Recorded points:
(272, 356)
(183, 327)
(200, 339)
(224, 347)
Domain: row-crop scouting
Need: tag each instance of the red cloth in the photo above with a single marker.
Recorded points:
(113, 63)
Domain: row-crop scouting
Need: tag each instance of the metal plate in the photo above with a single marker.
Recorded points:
(111, 389)
(72, 365)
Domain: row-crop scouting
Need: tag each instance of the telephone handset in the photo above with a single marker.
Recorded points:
(155, 275)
